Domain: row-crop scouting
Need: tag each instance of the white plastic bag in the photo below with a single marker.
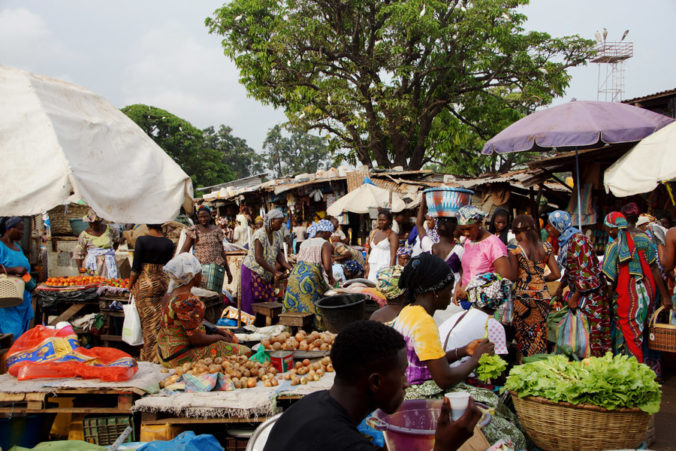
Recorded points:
(132, 333)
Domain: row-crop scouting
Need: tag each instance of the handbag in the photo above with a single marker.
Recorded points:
(11, 290)
(573, 335)
(132, 332)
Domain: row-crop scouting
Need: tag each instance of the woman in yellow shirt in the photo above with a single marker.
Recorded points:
(95, 251)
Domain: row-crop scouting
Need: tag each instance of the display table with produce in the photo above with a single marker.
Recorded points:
(593, 404)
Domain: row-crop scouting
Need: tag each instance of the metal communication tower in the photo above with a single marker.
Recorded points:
(610, 57)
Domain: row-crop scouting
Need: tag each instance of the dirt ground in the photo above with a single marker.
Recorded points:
(665, 420)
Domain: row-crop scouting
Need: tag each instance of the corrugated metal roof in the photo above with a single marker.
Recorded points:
(289, 186)
(657, 95)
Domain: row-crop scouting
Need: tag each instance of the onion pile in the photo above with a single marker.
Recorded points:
(243, 373)
(302, 341)
(305, 371)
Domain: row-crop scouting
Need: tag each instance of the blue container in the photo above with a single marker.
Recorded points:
(77, 225)
(446, 201)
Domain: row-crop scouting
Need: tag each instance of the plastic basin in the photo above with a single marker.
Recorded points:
(412, 427)
(340, 310)
(446, 201)
(78, 226)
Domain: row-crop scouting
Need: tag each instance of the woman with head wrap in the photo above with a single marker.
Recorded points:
(306, 283)
(182, 337)
(499, 226)
(259, 268)
(242, 232)
(343, 252)
(95, 251)
(531, 297)
(259, 223)
(383, 245)
(484, 252)
(583, 278)
(14, 320)
(630, 265)
(428, 282)
(206, 239)
(403, 255)
(388, 285)
(353, 269)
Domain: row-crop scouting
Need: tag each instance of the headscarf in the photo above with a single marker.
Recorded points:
(182, 269)
(470, 215)
(8, 222)
(325, 226)
(425, 273)
(388, 282)
(404, 250)
(91, 217)
(563, 223)
(354, 267)
(204, 208)
(312, 231)
(625, 244)
(645, 218)
(492, 291)
(272, 214)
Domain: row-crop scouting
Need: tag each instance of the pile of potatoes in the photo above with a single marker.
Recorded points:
(302, 341)
(305, 371)
(243, 373)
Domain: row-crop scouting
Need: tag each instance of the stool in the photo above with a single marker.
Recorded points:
(296, 320)
(270, 310)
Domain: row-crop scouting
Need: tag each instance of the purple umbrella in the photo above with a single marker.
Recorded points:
(574, 125)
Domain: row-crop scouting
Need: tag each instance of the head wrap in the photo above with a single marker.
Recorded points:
(354, 267)
(272, 214)
(425, 273)
(388, 282)
(645, 218)
(258, 219)
(404, 250)
(8, 222)
(204, 208)
(325, 226)
(312, 231)
(470, 215)
(91, 217)
(341, 249)
(182, 269)
(616, 220)
(563, 223)
(494, 292)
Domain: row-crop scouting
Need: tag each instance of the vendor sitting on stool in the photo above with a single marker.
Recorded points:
(370, 363)
(182, 337)
(95, 252)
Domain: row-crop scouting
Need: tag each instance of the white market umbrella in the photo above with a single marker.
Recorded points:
(365, 197)
(649, 162)
(62, 143)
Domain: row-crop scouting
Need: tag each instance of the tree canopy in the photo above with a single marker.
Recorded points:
(376, 75)
(237, 156)
(299, 152)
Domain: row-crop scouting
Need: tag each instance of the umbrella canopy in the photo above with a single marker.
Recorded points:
(640, 170)
(577, 124)
(365, 197)
(62, 143)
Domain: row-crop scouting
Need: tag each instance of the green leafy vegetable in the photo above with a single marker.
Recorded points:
(490, 367)
(610, 382)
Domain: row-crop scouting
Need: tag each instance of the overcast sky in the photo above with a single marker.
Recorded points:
(158, 52)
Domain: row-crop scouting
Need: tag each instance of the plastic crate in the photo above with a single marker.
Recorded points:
(212, 277)
(104, 431)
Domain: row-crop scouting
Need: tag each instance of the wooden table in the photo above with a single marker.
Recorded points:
(85, 401)
(270, 310)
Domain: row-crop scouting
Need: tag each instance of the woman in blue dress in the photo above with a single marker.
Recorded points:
(14, 320)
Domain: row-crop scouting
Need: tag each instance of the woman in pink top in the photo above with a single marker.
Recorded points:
(484, 252)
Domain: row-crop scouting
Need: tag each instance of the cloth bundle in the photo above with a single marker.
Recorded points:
(492, 291)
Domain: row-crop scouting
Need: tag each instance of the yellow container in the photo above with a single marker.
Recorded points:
(151, 432)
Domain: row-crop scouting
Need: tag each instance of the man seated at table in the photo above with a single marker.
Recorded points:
(370, 363)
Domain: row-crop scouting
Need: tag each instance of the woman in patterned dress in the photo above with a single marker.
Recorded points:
(95, 250)
(531, 296)
(259, 268)
(182, 337)
(306, 283)
(583, 278)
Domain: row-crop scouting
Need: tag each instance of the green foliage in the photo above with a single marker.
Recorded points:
(183, 142)
(237, 156)
(490, 366)
(397, 82)
(608, 382)
(299, 152)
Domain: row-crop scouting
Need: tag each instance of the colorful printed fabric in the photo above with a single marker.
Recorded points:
(531, 303)
(207, 246)
(269, 253)
(254, 289)
(148, 290)
(305, 287)
(470, 215)
(388, 282)
(324, 225)
(623, 250)
(635, 292)
(494, 292)
(422, 341)
(345, 251)
(98, 253)
(404, 250)
(563, 223)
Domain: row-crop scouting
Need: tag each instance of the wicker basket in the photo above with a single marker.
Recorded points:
(59, 218)
(661, 337)
(562, 426)
(11, 290)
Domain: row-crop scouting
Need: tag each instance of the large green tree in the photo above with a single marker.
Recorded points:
(241, 159)
(183, 142)
(376, 74)
(296, 152)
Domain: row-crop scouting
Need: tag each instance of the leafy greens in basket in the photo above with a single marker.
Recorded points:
(610, 382)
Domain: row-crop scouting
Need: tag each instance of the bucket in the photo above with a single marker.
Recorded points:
(77, 225)
(446, 201)
(411, 428)
(339, 311)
